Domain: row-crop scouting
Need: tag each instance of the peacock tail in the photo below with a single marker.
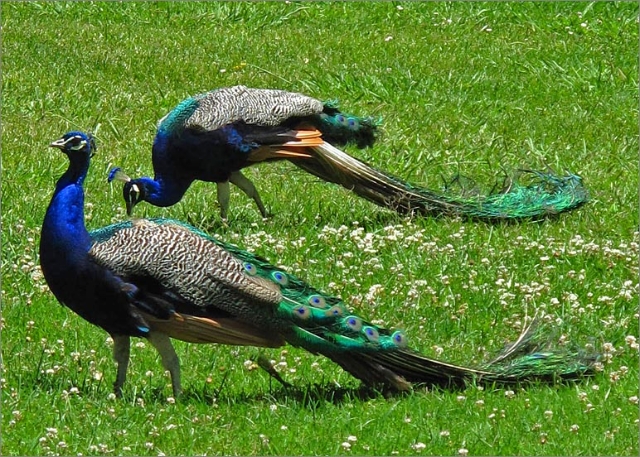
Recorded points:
(342, 129)
(546, 194)
(216, 280)
(213, 136)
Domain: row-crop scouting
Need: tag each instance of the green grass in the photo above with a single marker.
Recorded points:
(461, 87)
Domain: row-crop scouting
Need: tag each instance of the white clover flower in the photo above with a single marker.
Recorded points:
(250, 365)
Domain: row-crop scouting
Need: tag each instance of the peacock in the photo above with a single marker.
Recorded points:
(160, 279)
(213, 136)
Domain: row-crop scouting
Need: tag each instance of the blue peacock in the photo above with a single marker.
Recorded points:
(213, 136)
(160, 279)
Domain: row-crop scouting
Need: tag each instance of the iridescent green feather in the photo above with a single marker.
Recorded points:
(176, 119)
(545, 195)
(534, 352)
(325, 323)
(341, 128)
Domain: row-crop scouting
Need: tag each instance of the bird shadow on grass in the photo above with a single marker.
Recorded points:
(309, 396)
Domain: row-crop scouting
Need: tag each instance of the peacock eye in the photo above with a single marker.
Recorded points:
(134, 193)
(334, 311)
(302, 312)
(317, 301)
(77, 143)
(250, 269)
(371, 334)
(399, 339)
(354, 323)
(280, 278)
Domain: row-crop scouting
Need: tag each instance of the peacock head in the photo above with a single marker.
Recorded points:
(134, 190)
(76, 144)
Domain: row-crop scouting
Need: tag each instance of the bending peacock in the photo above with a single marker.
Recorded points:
(161, 279)
(213, 136)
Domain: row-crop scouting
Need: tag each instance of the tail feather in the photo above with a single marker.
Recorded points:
(530, 358)
(341, 128)
(548, 195)
(324, 325)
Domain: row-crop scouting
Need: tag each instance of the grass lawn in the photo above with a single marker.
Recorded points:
(471, 88)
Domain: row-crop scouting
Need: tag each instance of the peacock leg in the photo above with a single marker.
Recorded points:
(121, 348)
(264, 363)
(248, 188)
(224, 193)
(170, 360)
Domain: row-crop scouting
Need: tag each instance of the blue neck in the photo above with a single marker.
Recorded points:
(163, 190)
(63, 226)
(166, 188)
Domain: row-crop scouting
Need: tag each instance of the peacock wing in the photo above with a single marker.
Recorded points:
(221, 330)
(191, 288)
(217, 108)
